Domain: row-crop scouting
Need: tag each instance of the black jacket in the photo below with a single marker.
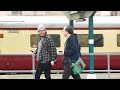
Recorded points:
(71, 50)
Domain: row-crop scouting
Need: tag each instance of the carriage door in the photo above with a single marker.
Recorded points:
(3, 62)
(1, 37)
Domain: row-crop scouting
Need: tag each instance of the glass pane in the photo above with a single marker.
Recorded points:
(118, 40)
(1, 35)
(83, 40)
(16, 12)
(56, 39)
(34, 40)
(98, 40)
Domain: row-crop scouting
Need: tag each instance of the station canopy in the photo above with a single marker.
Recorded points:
(78, 15)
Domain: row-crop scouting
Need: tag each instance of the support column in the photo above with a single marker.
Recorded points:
(71, 23)
(91, 75)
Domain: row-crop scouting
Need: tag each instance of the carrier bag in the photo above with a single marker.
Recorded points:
(78, 66)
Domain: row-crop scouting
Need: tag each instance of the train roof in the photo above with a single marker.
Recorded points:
(55, 21)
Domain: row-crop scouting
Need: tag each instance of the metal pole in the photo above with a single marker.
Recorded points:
(108, 60)
(91, 44)
(33, 65)
(71, 23)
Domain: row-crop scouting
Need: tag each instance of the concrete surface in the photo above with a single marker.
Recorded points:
(59, 76)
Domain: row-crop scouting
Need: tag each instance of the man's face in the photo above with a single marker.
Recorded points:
(65, 32)
(41, 33)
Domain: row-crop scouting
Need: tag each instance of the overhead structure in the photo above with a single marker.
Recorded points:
(80, 16)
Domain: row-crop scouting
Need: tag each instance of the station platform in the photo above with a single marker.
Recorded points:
(59, 76)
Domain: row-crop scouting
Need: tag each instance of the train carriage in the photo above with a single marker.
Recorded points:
(18, 35)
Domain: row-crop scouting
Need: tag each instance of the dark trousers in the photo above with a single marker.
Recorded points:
(68, 71)
(46, 67)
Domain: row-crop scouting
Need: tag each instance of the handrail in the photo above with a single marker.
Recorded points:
(30, 71)
(15, 54)
(108, 62)
(33, 63)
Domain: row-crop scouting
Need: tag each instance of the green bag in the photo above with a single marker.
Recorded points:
(78, 66)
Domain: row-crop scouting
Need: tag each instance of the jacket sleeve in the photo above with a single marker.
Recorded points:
(71, 47)
(35, 52)
(52, 49)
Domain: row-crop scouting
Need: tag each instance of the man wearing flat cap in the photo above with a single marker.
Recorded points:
(46, 53)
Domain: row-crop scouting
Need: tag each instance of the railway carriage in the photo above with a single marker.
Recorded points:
(18, 35)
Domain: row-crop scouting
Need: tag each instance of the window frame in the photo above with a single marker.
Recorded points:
(118, 39)
(94, 40)
(57, 46)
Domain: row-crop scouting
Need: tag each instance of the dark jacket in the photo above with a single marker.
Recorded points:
(71, 50)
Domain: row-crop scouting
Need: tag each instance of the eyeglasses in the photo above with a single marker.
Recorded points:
(41, 30)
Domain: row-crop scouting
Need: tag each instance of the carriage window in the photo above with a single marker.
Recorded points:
(16, 13)
(83, 40)
(56, 39)
(1, 35)
(118, 40)
(34, 40)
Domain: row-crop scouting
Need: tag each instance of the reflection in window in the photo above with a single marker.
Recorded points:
(16, 13)
(83, 40)
(1, 35)
(34, 40)
(113, 13)
(56, 39)
(118, 40)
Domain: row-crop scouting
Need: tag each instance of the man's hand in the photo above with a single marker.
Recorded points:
(53, 62)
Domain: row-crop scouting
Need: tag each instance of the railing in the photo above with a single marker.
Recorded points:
(21, 71)
(108, 63)
(33, 64)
